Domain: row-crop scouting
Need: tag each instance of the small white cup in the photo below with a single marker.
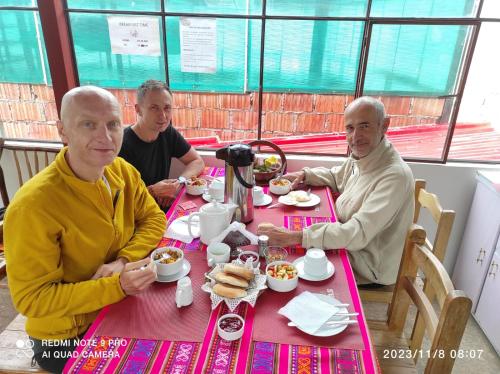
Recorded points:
(218, 253)
(216, 189)
(315, 262)
(258, 194)
(184, 292)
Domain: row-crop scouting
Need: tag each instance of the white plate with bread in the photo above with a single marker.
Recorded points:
(300, 199)
(234, 283)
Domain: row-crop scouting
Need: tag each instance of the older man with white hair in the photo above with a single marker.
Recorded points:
(375, 206)
(76, 232)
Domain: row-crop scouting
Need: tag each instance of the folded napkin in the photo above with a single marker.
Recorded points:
(178, 229)
(308, 312)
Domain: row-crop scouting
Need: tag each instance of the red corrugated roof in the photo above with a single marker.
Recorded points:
(470, 142)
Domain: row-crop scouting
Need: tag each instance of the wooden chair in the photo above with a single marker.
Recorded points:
(29, 159)
(444, 223)
(444, 329)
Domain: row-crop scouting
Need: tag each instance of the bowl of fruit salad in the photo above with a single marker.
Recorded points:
(282, 276)
(268, 168)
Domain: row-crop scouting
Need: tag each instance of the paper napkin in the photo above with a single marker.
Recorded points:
(308, 312)
(178, 229)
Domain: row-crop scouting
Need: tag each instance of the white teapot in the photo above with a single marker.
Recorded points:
(214, 218)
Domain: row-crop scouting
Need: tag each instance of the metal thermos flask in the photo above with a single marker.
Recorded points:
(239, 181)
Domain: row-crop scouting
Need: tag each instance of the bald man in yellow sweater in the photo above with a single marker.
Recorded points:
(75, 233)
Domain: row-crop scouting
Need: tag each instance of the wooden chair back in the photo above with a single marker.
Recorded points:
(444, 223)
(444, 329)
(443, 218)
(29, 159)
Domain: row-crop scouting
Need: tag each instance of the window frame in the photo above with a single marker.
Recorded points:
(474, 22)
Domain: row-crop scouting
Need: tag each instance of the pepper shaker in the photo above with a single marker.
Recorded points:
(263, 242)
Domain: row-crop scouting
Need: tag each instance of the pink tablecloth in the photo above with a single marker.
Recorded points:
(153, 314)
(269, 326)
(132, 355)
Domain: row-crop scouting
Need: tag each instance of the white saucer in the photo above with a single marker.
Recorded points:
(266, 200)
(186, 268)
(286, 200)
(299, 264)
(209, 198)
(333, 329)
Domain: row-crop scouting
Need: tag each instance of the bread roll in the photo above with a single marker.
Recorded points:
(300, 196)
(231, 292)
(239, 271)
(231, 279)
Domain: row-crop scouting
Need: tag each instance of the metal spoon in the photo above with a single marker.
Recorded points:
(164, 256)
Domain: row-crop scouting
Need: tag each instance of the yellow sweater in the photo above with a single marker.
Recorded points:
(59, 229)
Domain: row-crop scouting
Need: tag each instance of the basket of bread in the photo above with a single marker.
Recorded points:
(234, 283)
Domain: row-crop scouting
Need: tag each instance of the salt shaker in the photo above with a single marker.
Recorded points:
(184, 292)
(263, 243)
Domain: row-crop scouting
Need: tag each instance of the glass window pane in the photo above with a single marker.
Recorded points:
(137, 5)
(215, 7)
(99, 66)
(231, 56)
(22, 49)
(28, 3)
(414, 59)
(309, 56)
(418, 125)
(477, 132)
(423, 8)
(310, 123)
(491, 9)
(320, 8)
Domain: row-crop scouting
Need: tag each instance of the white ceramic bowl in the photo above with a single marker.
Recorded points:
(280, 186)
(195, 189)
(245, 254)
(226, 332)
(281, 285)
(171, 268)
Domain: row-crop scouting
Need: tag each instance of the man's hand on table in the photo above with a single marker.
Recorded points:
(279, 235)
(107, 270)
(165, 191)
(137, 276)
(296, 178)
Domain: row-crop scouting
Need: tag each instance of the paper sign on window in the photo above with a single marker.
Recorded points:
(198, 37)
(134, 35)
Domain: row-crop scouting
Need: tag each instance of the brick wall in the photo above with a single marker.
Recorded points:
(29, 111)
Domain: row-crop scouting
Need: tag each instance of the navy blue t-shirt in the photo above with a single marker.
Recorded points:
(153, 159)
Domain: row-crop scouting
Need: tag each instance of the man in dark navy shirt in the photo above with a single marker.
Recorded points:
(151, 143)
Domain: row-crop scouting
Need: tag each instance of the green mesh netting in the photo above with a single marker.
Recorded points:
(22, 53)
(301, 56)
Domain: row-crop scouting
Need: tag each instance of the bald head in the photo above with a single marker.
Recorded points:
(84, 96)
(367, 101)
(91, 127)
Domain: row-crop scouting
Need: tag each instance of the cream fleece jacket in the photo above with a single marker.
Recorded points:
(374, 211)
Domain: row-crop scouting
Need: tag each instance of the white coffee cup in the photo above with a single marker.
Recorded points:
(184, 292)
(218, 253)
(315, 262)
(258, 194)
(216, 189)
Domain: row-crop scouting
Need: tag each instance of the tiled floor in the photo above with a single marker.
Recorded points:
(473, 339)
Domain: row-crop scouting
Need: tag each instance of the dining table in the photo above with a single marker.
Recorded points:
(148, 333)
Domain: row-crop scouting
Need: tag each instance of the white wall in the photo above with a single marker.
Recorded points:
(453, 183)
